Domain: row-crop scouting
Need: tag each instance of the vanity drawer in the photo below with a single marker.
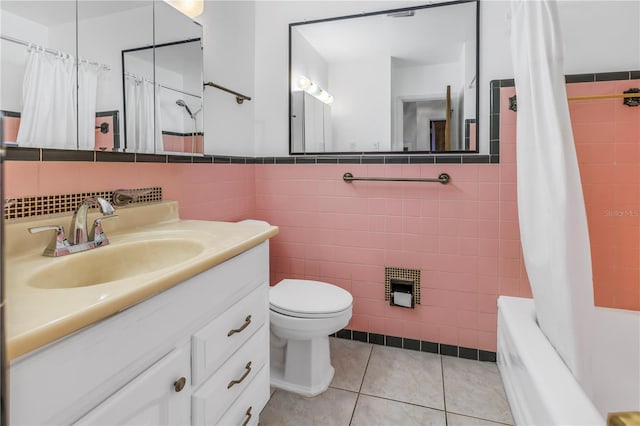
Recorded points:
(237, 374)
(246, 410)
(214, 343)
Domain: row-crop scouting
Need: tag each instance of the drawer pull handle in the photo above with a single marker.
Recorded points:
(178, 385)
(244, 376)
(247, 321)
(248, 414)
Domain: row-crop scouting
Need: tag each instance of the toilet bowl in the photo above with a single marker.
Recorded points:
(303, 314)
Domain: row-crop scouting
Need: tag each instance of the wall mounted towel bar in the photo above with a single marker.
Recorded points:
(443, 178)
(240, 98)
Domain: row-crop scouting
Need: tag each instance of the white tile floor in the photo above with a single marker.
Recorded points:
(380, 385)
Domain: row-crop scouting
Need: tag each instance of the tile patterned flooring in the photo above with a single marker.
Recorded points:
(381, 385)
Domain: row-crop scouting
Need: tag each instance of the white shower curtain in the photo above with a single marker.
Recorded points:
(553, 224)
(87, 97)
(141, 98)
(48, 101)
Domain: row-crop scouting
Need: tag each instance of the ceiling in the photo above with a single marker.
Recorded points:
(55, 12)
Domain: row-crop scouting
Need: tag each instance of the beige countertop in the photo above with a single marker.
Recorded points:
(36, 315)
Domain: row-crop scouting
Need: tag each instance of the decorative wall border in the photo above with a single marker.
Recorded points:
(416, 345)
(38, 205)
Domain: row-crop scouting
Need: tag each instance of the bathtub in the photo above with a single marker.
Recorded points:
(540, 388)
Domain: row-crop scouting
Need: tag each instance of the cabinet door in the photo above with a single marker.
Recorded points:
(155, 397)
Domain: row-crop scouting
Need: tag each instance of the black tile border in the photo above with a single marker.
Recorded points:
(487, 356)
(40, 154)
(393, 341)
(468, 353)
(449, 350)
(67, 155)
(416, 345)
(23, 154)
(110, 157)
(204, 159)
(179, 159)
(150, 158)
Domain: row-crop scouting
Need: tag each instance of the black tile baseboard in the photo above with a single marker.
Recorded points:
(416, 345)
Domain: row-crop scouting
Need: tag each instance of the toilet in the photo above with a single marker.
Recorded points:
(303, 314)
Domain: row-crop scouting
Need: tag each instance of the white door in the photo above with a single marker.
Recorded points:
(156, 397)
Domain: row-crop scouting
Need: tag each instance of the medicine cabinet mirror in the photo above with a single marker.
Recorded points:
(66, 103)
(394, 81)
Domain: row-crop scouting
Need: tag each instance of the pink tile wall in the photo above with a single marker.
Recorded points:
(205, 191)
(607, 135)
(607, 139)
(176, 143)
(462, 236)
(104, 141)
(10, 128)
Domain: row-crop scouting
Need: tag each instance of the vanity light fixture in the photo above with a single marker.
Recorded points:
(191, 8)
(314, 90)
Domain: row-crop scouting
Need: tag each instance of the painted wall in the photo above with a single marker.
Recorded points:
(229, 57)
(14, 56)
(308, 63)
(360, 113)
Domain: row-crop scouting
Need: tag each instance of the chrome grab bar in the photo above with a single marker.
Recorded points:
(443, 178)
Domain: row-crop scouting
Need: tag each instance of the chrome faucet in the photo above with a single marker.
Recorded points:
(82, 238)
(79, 221)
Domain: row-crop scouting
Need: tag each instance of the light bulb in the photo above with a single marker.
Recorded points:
(304, 83)
(314, 90)
(191, 8)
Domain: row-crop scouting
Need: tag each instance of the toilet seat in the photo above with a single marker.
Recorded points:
(308, 299)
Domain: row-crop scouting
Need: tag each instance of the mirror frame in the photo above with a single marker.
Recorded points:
(362, 15)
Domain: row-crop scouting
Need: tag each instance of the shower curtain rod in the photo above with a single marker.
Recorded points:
(51, 51)
(610, 96)
(163, 86)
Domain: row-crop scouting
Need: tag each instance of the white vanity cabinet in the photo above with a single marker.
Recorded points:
(148, 399)
(197, 353)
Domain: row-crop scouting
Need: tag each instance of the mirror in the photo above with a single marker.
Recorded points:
(163, 103)
(179, 78)
(394, 81)
(89, 113)
(105, 28)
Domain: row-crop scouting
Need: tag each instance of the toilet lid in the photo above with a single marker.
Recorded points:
(305, 298)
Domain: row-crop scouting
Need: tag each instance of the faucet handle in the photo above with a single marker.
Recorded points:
(97, 234)
(59, 245)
